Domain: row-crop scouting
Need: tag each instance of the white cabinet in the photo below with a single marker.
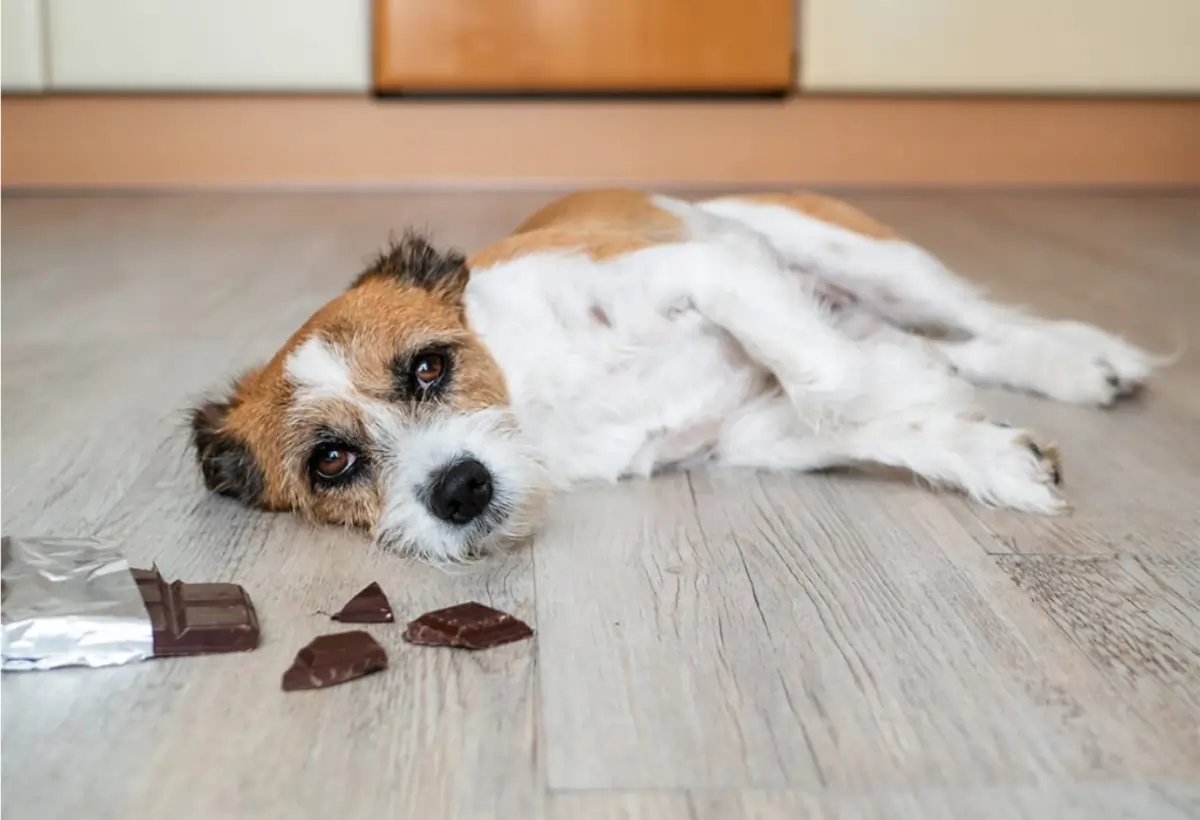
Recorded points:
(21, 45)
(889, 46)
(1018, 46)
(209, 45)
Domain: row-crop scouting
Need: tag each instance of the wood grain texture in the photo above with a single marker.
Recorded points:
(583, 45)
(837, 640)
(1138, 620)
(714, 645)
(1091, 802)
(265, 141)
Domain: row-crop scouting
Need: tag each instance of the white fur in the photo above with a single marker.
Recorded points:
(908, 287)
(416, 449)
(714, 348)
(601, 401)
(319, 369)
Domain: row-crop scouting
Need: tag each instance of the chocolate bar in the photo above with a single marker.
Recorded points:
(466, 626)
(197, 619)
(370, 606)
(332, 659)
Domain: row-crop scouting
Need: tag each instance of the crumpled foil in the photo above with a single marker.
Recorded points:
(70, 602)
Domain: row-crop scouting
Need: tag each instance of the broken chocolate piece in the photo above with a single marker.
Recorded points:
(332, 659)
(197, 619)
(367, 607)
(466, 626)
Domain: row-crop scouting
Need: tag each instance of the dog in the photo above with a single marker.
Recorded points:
(440, 400)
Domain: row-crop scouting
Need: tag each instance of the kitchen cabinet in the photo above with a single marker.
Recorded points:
(922, 47)
(21, 48)
(583, 45)
(209, 45)
(1014, 46)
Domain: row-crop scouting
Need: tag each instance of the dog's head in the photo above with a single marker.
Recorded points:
(384, 411)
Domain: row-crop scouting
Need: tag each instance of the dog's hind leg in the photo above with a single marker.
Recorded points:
(896, 280)
(989, 462)
(840, 399)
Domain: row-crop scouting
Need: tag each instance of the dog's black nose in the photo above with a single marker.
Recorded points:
(461, 492)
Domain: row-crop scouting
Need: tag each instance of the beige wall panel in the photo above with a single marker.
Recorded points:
(217, 45)
(1040, 46)
(21, 49)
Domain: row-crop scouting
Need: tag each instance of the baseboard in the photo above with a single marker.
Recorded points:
(124, 142)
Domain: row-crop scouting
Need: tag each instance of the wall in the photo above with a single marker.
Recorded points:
(127, 93)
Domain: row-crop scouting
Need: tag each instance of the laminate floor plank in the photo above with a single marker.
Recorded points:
(1090, 802)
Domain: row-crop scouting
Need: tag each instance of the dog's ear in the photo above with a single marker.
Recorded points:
(226, 461)
(414, 261)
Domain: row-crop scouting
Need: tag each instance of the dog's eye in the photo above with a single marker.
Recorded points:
(422, 376)
(429, 368)
(330, 462)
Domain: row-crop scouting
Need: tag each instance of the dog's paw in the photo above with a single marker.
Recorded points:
(1067, 361)
(1096, 366)
(1076, 376)
(1011, 468)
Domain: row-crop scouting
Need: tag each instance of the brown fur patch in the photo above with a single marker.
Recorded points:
(606, 209)
(596, 244)
(828, 210)
(379, 320)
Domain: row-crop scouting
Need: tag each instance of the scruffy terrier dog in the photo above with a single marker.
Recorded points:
(440, 400)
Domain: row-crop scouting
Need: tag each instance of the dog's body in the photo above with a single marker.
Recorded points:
(439, 401)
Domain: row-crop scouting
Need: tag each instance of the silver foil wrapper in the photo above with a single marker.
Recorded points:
(70, 602)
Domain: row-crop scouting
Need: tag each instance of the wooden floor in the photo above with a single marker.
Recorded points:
(708, 646)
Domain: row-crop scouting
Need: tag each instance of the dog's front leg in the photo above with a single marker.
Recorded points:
(845, 400)
(737, 283)
(991, 463)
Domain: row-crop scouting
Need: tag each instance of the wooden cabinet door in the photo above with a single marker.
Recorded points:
(583, 45)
